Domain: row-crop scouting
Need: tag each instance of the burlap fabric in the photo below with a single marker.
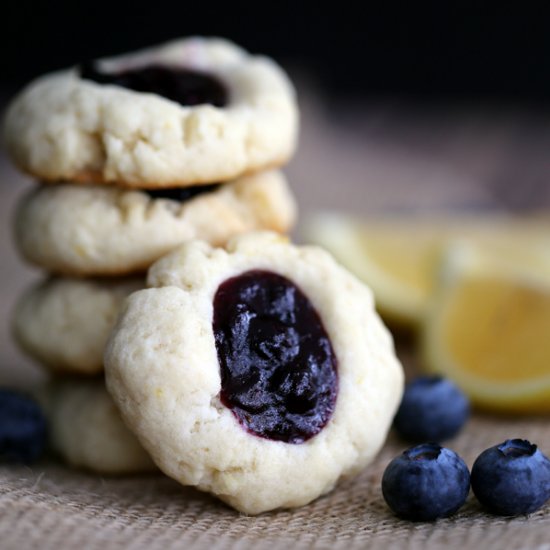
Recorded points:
(366, 161)
(51, 507)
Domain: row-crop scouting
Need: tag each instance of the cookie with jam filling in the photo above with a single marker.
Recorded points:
(258, 372)
(105, 230)
(86, 431)
(188, 112)
(63, 323)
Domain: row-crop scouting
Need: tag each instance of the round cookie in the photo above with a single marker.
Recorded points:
(95, 230)
(86, 430)
(248, 400)
(64, 323)
(225, 113)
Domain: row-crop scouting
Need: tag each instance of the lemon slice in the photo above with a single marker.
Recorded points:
(397, 267)
(399, 257)
(488, 327)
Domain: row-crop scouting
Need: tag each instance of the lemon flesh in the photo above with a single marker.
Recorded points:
(489, 331)
(399, 257)
(396, 265)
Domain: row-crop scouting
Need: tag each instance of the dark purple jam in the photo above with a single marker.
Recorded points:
(181, 194)
(184, 86)
(278, 368)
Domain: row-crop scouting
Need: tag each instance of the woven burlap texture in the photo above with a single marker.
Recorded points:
(50, 506)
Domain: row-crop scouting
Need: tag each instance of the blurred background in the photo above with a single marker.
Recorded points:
(403, 108)
(459, 95)
(461, 51)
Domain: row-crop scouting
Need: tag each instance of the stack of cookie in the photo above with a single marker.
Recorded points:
(250, 368)
(135, 155)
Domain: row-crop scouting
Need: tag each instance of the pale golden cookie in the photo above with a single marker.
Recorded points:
(64, 323)
(65, 127)
(95, 230)
(86, 430)
(308, 332)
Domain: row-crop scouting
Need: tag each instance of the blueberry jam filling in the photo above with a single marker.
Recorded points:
(184, 86)
(278, 368)
(182, 194)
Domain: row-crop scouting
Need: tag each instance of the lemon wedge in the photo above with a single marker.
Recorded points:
(398, 257)
(488, 327)
(397, 266)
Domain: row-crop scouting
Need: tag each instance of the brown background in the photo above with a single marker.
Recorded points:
(366, 158)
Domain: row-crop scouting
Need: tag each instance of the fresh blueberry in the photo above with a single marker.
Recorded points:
(22, 428)
(512, 478)
(432, 409)
(426, 482)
